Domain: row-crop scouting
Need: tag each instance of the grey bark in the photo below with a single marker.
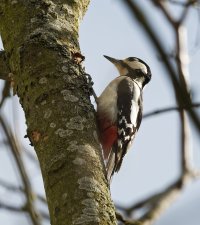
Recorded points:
(40, 38)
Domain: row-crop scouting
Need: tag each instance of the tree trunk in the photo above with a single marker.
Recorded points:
(40, 41)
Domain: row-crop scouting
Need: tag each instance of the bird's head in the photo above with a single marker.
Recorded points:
(133, 67)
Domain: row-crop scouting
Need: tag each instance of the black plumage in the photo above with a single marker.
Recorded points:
(121, 103)
(126, 127)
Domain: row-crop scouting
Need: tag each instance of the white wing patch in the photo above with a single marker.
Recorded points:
(134, 106)
(134, 113)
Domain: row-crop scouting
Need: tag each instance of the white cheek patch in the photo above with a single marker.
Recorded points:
(138, 65)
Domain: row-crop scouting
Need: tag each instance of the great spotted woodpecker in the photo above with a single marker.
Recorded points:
(119, 110)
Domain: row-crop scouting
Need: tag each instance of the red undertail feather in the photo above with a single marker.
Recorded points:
(108, 136)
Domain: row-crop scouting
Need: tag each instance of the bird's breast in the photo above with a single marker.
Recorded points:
(107, 101)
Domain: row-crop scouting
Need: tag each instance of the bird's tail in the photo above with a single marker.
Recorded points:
(110, 166)
(120, 157)
(114, 162)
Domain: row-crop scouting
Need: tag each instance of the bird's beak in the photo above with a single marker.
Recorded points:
(112, 60)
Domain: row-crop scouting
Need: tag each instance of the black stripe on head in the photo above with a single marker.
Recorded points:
(138, 72)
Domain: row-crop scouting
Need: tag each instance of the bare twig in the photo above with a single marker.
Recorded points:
(174, 22)
(182, 63)
(184, 14)
(157, 203)
(184, 4)
(146, 202)
(20, 209)
(11, 207)
(177, 2)
(120, 217)
(35, 218)
(183, 97)
(168, 109)
(167, 197)
(185, 145)
(165, 10)
(11, 187)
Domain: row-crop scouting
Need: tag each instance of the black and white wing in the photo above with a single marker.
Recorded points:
(129, 104)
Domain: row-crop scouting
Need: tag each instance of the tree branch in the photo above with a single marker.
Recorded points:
(14, 188)
(20, 209)
(174, 22)
(22, 170)
(11, 207)
(168, 109)
(182, 96)
(165, 10)
(183, 4)
(157, 203)
(182, 63)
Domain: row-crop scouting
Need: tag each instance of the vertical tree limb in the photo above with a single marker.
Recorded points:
(42, 45)
(182, 63)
